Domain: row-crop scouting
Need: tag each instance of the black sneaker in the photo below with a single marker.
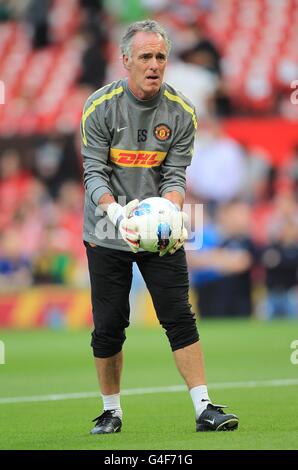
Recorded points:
(106, 423)
(214, 419)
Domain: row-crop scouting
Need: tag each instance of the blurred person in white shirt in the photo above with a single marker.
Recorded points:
(217, 173)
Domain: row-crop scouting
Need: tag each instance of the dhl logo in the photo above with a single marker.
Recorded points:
(136, 158)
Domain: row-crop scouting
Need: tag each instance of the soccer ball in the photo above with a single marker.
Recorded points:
(154, 215)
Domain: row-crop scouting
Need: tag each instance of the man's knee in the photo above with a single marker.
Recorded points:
(107, 345)
(181, 334)
(109, 330)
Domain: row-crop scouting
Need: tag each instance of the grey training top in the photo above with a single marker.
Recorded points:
(132, 149)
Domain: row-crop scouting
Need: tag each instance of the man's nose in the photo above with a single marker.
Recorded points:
(153, 63)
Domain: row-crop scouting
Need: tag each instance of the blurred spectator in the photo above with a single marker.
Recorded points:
(95, 32)
(221, 272)
(48, 159)
(37, 17)
(198, 53)
(285, 209)
(53, 263)
(202, 79)
(33, 213)
(60, 257)
(94, 60)
(55, 160)
(203, 276)
(258, 181)
(203, 54)
(280, 260)
(92, 6)
(14, 185)
(200, 86)
(291, 169)
(218, 168)
(5, 10)
(15, 267)
(70, 216)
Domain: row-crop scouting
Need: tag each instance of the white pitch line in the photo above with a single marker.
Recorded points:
(148, 390)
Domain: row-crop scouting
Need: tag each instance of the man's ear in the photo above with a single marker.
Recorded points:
(125, 60)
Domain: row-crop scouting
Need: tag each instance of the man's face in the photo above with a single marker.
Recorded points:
(146, 66)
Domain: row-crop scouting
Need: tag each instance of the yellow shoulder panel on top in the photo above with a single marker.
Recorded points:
(95, 103)
(184, 105)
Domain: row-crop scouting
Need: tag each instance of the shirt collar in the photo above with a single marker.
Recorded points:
(143, 103)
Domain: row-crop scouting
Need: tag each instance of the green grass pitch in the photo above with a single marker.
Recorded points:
(47, 362)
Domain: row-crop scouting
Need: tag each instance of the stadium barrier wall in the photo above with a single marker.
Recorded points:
(60, 307)
(275, 134)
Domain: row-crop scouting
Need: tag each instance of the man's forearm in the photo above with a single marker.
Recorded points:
(175, 197)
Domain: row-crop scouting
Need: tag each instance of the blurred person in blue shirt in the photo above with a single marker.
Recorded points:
(221, 270)
(280, 261)
(15, 266)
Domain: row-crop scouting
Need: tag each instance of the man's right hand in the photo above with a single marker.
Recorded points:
(119, 216)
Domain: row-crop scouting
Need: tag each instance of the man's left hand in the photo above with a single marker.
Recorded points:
(179, 233)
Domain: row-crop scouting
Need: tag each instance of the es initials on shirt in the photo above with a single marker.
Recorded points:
(142, 135)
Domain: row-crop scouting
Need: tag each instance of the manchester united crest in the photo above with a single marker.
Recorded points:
(162, 132)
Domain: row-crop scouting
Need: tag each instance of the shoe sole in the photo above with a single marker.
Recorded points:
(96, 433)
(229, 425)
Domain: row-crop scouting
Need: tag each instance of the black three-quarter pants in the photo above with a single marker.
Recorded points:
(167, 281)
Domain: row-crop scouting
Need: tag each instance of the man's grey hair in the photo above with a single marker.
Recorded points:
(146, 26)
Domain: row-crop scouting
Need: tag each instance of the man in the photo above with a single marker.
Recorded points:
(137, 139)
